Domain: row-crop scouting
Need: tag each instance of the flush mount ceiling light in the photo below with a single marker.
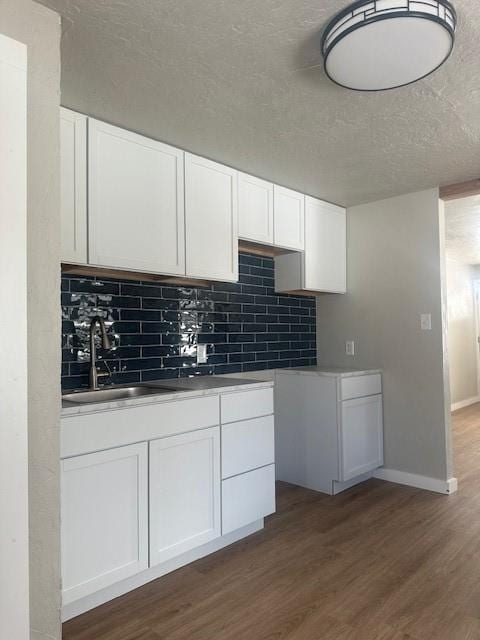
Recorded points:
(374, 45)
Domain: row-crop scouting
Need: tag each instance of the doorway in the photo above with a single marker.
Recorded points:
(462, 324)
(462, 247)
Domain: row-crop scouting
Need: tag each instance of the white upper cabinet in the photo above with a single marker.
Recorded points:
(289, 218)
(325, 246)
(153, 208)
(322, 266)
(136, 201)
(73, 186)
(255, 209)
(211, 211)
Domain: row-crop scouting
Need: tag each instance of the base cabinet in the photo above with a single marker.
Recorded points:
(134, 512)
(184, 493)
(337, 436)
(104, 519)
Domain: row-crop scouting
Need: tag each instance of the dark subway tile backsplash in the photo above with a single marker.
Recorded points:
(155, 329)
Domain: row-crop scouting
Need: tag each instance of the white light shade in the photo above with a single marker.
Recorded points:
(372, 46)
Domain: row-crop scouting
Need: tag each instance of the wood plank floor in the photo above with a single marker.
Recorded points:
(378, 562)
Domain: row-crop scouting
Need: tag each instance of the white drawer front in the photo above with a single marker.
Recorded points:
(359, 386)
(247, 498)
(107, 429)
(247, 445)
(245, 405)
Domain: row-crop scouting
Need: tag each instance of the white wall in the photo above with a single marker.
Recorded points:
(39, 29)
(14, 551)
(394, 273)
(462, 333)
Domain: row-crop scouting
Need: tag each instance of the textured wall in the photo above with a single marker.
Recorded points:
(394, 274)
(155, 329)
(462, 332)
(39, 28)
(243, 83)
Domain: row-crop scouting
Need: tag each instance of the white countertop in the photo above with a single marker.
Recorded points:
(181, 389)
(332, 372)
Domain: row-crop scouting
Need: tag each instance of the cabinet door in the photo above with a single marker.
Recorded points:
(325, 247)
(104, 519)
(361, 436)
(136, 203)
(211, 219)
(289, 218)
(73, 186)
(255, 209)
(184, 493)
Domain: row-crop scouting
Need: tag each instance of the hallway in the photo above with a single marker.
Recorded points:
(378, 562)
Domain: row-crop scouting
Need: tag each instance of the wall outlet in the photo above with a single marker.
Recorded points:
(201, 353)
(426, 321)
(350, 347)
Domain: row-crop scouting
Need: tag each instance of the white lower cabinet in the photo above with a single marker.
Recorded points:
(104, 519)
(329, 429)
(361, 436)
(184, 493)
(143, 506)
(248, 497)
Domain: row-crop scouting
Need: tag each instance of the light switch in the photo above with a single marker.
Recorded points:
(350, 347)
(426, 321)
(201, 353)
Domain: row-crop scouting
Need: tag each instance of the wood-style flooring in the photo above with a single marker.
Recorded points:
(378, 562)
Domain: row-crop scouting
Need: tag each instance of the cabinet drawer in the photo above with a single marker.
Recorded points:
(247, 498)
(247, 445)
(359, 386)
(245, 405)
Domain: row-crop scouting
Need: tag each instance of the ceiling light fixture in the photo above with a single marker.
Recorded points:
(374, 45)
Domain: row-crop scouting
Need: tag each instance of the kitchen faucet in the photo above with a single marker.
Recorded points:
(94, 373)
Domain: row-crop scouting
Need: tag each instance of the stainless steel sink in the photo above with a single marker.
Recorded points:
(113, 393)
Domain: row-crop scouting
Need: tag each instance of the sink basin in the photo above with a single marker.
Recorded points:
(113, 393)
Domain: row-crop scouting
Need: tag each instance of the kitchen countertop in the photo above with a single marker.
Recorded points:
(181, 389)
(332, 372)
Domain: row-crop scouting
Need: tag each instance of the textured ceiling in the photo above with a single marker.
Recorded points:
(242, 83)
(462, 227)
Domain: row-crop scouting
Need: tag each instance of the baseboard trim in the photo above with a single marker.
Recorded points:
(464, 403)
(414, 480)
